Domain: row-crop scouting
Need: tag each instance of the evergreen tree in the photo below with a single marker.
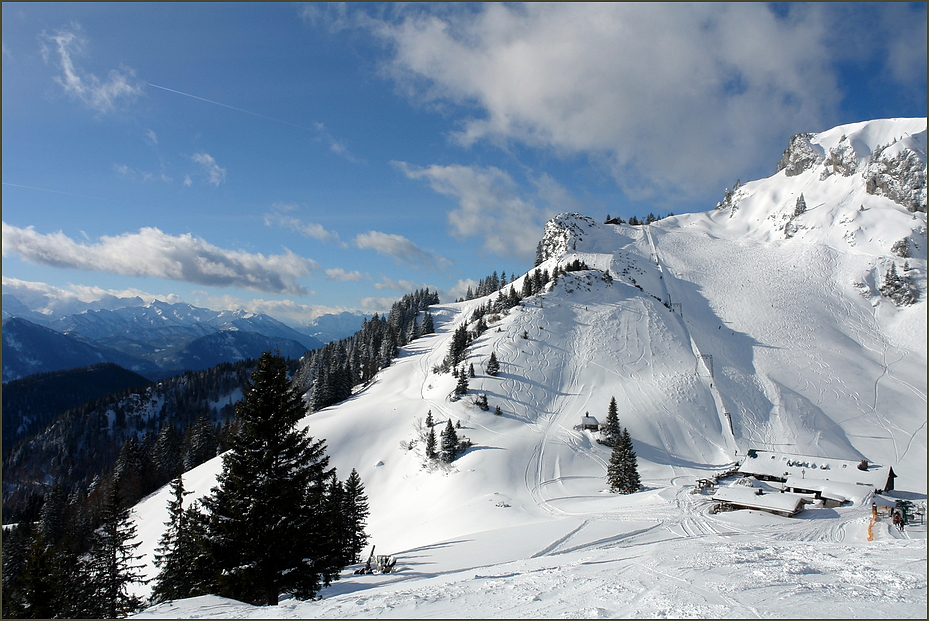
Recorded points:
(200, 443)
(498, 411)
(430, 437)
(449, 443)
(39, 592)
(17, 541)
(623, 469)
(355, 512)
(266, 522)
(462, 387)
(458, 345)
(177, 550)
(129, 471)
(611, 429)
(899, 288)
(493, 365)
(428, 326)
(482, 402)
(800, 207)
(166, 453)
(113, 562)
(337, 528)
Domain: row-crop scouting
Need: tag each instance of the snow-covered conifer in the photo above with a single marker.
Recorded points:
(449, 443)
(611, 429)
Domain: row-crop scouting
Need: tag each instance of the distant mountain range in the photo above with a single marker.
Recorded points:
(155, 340)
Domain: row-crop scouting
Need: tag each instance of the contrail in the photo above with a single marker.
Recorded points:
(29, 187)
(216, 103)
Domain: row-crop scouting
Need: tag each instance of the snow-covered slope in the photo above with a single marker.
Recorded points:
(744, 327)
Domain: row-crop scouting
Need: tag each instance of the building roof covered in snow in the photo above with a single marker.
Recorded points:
(781, 466)
(784, 503)
(832, 490)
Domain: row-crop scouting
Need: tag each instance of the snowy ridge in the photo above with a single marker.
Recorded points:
(716, 333)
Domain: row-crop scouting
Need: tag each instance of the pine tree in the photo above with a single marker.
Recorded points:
(449, 443)
(38, 597)
(623, 470)
(177, 550)
(428, 326)
(337, 528)
(266, 526)
(166, 453)
(800, 207)
(493, 365)
(17, 540)
(199, 443)
(355, 511)
(481, 402)
(113, 562)
(430, 437)
(462, 387)
(611, 429)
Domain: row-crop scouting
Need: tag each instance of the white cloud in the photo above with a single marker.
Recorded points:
(336, 146)
(214, 174)
(399, 285)
(490, 206)
(287, 311)
(150, 252)
(340, 274)
(43, 297)
(459, 289)
(670, 97)
(307, 229)
(377, 305)
(400, 248)
(101, 95)
(152, 136)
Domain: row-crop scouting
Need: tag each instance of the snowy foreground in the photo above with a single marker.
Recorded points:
(753, 326)
(685, 563)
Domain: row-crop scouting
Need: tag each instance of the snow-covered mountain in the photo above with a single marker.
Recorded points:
(761, 324)
(161, 320)
(29, 348)
(334, 326)
(158, 338)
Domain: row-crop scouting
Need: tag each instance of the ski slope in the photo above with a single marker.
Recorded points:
(716, 333)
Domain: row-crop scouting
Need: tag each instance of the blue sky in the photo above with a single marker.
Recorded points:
(299, 159)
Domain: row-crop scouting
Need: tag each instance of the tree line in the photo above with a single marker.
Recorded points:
(329, 374)
(278, 520)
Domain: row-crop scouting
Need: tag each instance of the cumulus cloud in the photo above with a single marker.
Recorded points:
(490, 205)
(459, 289)
(51, 300)
(211, 170)
(151, 252)
(287, 311)
(667, 97)
(400, 285)
(307, 229)
(100, 95)
(400, 248)
(343, 275)
(377, 305)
